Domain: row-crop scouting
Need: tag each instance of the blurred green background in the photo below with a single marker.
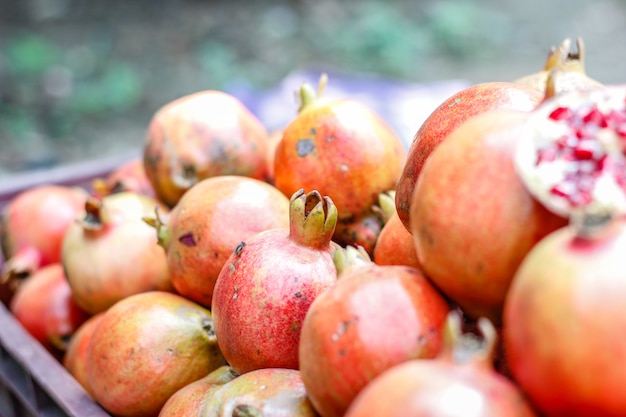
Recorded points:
(80, 79)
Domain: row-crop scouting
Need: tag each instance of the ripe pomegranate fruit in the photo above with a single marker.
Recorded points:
(373, 318)
(110, 253)
(75, 357)
(191, 399)
(472, 219)
(568, 67)
(34, 223)
(394, 245)
(446, 118)
(44, 306)
(460, 382)
(562, 319)
(267, 285)
(573, 152)
(270, 392)
(362, 230)
(208, 223)
(130, 176)
(147, 347)
(340, 148)
(201, 135)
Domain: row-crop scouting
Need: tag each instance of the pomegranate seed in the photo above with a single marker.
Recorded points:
(562, 190)
(596, 117)
(584, 150)
(561, 113)
(545, 155)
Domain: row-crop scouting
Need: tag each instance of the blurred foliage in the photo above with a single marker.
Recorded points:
(56, 83)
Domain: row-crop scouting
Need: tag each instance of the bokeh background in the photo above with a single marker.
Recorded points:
(80, 80)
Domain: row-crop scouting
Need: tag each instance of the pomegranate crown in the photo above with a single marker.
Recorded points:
(312, 219)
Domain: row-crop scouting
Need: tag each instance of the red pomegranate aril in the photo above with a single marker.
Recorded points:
(560, 113)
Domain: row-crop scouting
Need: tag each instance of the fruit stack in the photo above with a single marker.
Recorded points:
(324, 269)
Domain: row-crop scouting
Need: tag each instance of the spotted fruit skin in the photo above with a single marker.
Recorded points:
(343, 150)
(202, 135)
(210, 221)
(446, 118)
(375, 317)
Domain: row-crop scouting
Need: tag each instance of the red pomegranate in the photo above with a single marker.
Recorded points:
(267, 285)
(201, 135)
(373, 318)
(340, 148)
(460, 382)
(270, 392)
(34, 223)
(191, 399)
(146, 348)
(75, 357)
(208, 223)
(446, 118)
(44, 306)
(110, 253)
(472, 219)
(362, 230)
(566, 66)
(130, 176)
(564, 310)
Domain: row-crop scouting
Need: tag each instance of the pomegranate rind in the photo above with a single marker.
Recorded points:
(571, 155)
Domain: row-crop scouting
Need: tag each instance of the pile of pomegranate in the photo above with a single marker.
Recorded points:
(327, 270)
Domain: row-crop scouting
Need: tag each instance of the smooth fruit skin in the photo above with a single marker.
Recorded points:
(343, 150)
(210, 221)
(44, 306)
(563, 324)
(130, 176)
(201, 135)
(430, 388)
(75, 358)
(260, 300)
(268, 392)
(472, 219)
(394, 245)
(147, 347)
(38, 218)
(446, 118)
(373, 318)
(191, 399)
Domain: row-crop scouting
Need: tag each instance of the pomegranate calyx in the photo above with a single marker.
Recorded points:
(348, 257)
(385, 207)
(185, 175)
(563, 59)
(469, 347)
(163, 233)
(592, 223)
(20, 266)
(308, 96)
(246, 410)
(96, 215)
(312, 219)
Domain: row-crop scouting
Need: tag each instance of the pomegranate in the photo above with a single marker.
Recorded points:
(75, 357)
(472, 219)
(34, 223)
(201, 135)
(44, 306)
(373, 318)
(147, 347)
(394, 245)
(267, 285)
(563, 315)
(568, 66)
(191, 399)
(271, 392)
(362, 230)
(110, 253)
(208, 223)
(564, 306)
(446, 118)
(130, 176)
(460, 382)
(16, 270)
(340, 148)
(573, 155)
